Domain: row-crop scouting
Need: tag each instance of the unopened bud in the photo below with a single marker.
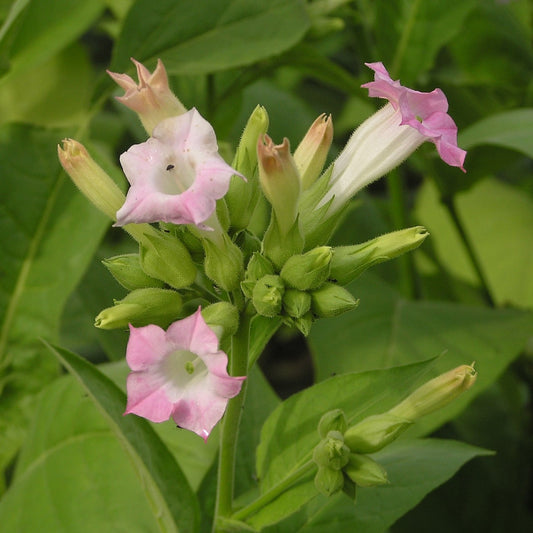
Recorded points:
(332, 421)
(375, 432)
(296, 303)
(140, 308)
(436, 393)
(166, 258)
(223, 262)
(307, 271)
(331, 300)
(302, 324)
(331, 451)
(364, 471)
(312, 151)
(328, 482)
(267, 295)
(222, 318)
(258, 266)
(348, 262)
(126, 269)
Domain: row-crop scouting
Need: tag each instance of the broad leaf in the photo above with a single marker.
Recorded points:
(202, 37)
(167, 489)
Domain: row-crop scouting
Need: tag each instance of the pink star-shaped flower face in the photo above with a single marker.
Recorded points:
(426, 112)
(176, 175)
(179, 373)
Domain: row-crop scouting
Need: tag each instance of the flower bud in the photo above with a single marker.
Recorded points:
(436, 393)
(268, 295)
(151, 98)
(296, 303)
(242, 196)
(375, 432)
(90, 178)
(140, 308)
(331, 451)
(364, 471)
(348, 262)
(302, 324)
(126, 269)
(312, 151)
(332, 421)
(280, 180)
(222, 318)
(331, 300)
(258, 266)
(223, 262)
(166, 258)
(307, 271)
(328, 482)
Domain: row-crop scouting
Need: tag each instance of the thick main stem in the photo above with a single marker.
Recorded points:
(230, 424)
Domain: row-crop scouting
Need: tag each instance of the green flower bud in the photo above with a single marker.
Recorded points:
(436, 393)
(331, 451)
(348, 262)
(164, 257)
(302, 324)
(332, 421)
(267, 295)
(222, 318)
(296, 303)
(279, 246)
(331, 300)
(223, 262)
(126, 269)
(242, 196)
(307, 271)
(328, 481)
(140, 308)
(365, 472)
(375, 432)
(258, 266)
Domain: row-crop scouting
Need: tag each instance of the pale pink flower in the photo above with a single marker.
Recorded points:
(151, 97)
(180, 374)
(426, 112)
(176, 175)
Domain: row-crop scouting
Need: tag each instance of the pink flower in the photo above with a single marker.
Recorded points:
(176, 175)
(151, 98)
(179, 373)
(426, 112)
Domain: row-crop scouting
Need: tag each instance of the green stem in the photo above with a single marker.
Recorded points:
(275, 491)
(404, 40)
(230, 423)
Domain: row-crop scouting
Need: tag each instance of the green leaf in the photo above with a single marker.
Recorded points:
(388, 330)
(414, 468)
(202, 37)
(502, 243)
(290, 432)
(261, 331)
(172, 500)
(510, 129)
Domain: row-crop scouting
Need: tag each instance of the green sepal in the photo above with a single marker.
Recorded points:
(332, 421)
(307, 271)
(222, 318)
(296, 303)
(224, 263)
(328, 482)
(332, 300)
(126, 269)
(279, 247)
(365, 472)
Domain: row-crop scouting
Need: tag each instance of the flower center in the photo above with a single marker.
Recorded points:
(181, 367)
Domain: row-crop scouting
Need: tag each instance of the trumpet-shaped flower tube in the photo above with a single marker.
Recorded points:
(389, 136)
(176, 175)
(180, 374)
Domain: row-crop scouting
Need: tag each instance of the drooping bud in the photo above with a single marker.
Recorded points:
(90, 178)
(151, 98)
(267, 295)
(280, 180)
(242, 196)
(348, 262)
(375, 432)
(140, 308)
(312, 151)
(166, 258)
(331, 300)
(307, 271)
(222, 318)
(436, 393)
(332, 421)
(364, 471)
(296, 303)
(223, 261)
(126, 269)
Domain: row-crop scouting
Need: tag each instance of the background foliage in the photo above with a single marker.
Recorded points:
(466, 295)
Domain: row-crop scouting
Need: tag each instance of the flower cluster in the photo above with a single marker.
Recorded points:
(209, 259)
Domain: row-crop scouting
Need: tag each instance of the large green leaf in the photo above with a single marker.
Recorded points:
(48, 233)
(387, 330)
(510, 129)
(207, 36)
(173, 503)
(290, 432)
(414, 468)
